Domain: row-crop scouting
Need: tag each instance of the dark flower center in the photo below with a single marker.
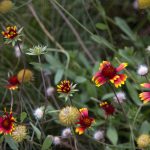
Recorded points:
(109, 109)
(6, 124)
(13, 80)
(12, 33)
(108, 71)
(66, 88)
(87, 122)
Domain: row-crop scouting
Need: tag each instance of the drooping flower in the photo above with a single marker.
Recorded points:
(142, 70)
(108, 73)
(145, 96)
(144, 4)
(84, 121)
(19, 133)
(66, 133)
(7, 123)
(69, 115)
(12, 35)
(98, 135)
(25, 75)
(121, 97)
(37, 50)
(143, 141)
(39, 112)
(108, 108)
(5, 6)
(66, 89)
(13, 83)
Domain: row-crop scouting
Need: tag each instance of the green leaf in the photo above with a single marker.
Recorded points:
(125, 28)
(133, 93)
(80, 79)
(101, 26)
(23, 116)
(36, 130)
(112, 135)
(58, 75)
(107, 96)
(103, 42)
(47, 143)
(145, 127)
(91, 89)
(12, 144)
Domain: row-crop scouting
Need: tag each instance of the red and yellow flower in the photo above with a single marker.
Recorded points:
(145, 96)
(108, 73)
(13, 83)
(7, 123)
(108, 108)
(84, 121)
(64, 87)
(10, 32)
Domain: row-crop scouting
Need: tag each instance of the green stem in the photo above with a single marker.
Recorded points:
(124, 113)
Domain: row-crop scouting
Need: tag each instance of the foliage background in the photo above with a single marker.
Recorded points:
(85, 32)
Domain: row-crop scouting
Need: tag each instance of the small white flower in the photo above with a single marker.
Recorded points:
(142, 70)
(17, 51)
(50, 91)
(148, 48)
(37, 50)
(135, 4)
(98, 135)
(38, 113)
(121, 97)
(56, 140)
(66, 133)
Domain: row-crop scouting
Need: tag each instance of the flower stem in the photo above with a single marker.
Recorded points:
(75, 139)
(12, 100)
(124, 113)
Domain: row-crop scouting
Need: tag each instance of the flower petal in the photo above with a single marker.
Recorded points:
(84, 112)
(80, 130)
(146, 85)
(121, 67)
(145, 96)
(98, 79)
(118, 80)
(104, 63)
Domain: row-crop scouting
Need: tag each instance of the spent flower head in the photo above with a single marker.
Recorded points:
(66, 89)
(12, 35)
(143, 4)
(6, 6)
(25, 75)
(69, 115)
(143, 141)
(19, 133)
(37, 50)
